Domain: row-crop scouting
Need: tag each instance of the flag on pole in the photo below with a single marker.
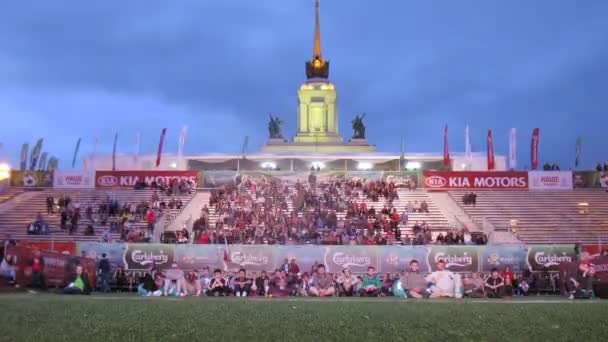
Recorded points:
(402, 154)
(160, 146)
(226, 253)
(76, 152)
(579, 147)
(182, 141)
(491, 163)
(114, 152)
(42, 163)
(513, 149)
(446, 152)
(534, 149)
(467, 145)
(36, 154)
(136, 150)
(24, 148)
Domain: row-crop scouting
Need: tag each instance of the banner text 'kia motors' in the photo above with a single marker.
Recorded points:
(445, 180)
(128, 179)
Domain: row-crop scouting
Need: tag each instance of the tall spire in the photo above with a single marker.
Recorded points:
(317, 67)
(317, 48)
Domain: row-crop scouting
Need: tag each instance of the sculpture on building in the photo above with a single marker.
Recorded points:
(358, 127)
(274, 128)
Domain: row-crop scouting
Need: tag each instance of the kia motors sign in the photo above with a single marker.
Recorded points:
(550, 180)
(128, 179)
(445, 180)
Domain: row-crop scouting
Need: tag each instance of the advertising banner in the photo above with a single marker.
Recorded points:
(217, 179)
(590, 179)
(550, 180)
(250, 257)
(549, 257)
(357, 258)
(592, 251)
(62, 247)
(600, 264)
(401, 179)
(32, 179)
(114, 252)
(58, 268)
(446, 180)
(195, 257)
(141, 256)
(73, 180)
(128, 179)
(395, 259)
(457, 258)
(501, 256)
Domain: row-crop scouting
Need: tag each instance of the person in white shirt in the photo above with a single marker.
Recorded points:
(443, 281)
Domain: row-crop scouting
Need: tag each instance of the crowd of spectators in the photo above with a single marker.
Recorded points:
(258, 211)
(109, 214)
(289, 280)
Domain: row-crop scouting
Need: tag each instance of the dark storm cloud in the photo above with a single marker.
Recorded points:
(81, 68)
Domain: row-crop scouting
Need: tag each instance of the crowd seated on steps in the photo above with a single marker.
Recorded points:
(336, 211)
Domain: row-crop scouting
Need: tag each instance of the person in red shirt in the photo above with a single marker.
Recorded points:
(204, 238)
(37, 265)
(150, 219)
(507, 275)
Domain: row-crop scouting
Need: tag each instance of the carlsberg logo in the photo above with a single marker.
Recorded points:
(551, 259)
(248, 259)
(146, 258)
(454, 260)
(346, 260)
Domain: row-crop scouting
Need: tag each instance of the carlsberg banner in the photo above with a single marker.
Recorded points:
(386, 259)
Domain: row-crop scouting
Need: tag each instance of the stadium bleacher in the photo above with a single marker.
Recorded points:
(543, 216)
(27, 205)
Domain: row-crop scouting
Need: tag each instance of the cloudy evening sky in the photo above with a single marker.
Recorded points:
(71, 69)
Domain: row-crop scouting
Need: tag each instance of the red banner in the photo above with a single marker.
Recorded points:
(490, 151)
(445, 180)
(57, 270)
(63, 247)
(160, 146)
(128, 179)
(534, 149)
(446, 149)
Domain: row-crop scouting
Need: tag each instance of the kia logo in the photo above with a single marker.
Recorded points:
(107, 181)
(435, 181)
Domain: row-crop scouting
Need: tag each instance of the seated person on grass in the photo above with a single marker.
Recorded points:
(242, 284)
(415, 283)
(217, 285)
(473, 286)
(346, 283)
(279, 284)
(192, 284)
(79, 284)
(174, 281)
(579, 284)
(262, 284)
(442, 281)
(322, 283)
(495, 285)
(371, 284)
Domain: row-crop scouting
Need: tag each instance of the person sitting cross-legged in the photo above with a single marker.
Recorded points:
(174, 280)
(346, 283)
(322, 283)
(371, 284)
(473, 286)
(494, 285)
(579, 283)
(242, 284)
(443, 281)
(217, 285)
(415, 283)
(79, 283)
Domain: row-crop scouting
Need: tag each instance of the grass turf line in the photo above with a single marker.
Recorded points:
(128, 318)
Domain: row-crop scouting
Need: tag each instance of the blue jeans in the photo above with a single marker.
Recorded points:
(104, 282)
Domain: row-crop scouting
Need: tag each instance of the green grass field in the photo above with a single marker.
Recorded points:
(47, 317)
